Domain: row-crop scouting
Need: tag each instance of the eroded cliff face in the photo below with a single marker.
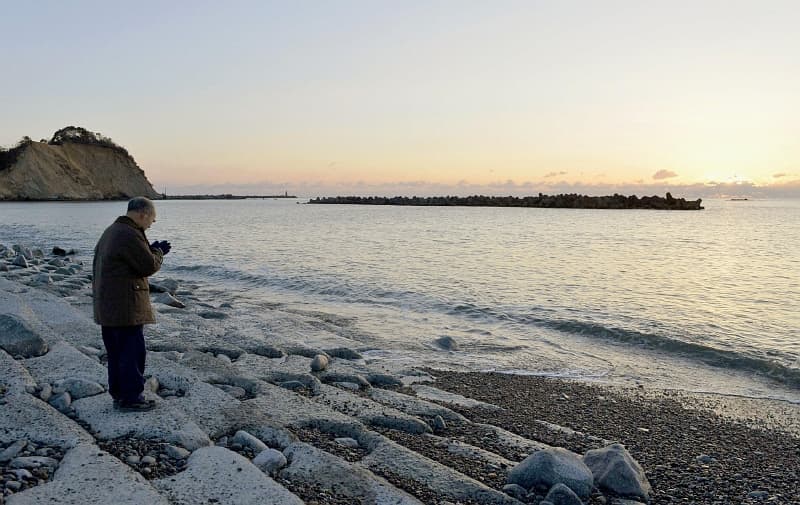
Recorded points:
(73, 172)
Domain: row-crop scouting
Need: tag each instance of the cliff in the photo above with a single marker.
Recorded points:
(68, 168)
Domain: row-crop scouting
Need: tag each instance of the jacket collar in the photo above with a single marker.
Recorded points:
(130, 222)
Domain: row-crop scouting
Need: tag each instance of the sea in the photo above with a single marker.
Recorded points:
(702, 301)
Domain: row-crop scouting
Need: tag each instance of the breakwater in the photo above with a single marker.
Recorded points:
(561, 201)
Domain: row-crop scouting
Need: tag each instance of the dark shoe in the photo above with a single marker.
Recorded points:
(137, 406)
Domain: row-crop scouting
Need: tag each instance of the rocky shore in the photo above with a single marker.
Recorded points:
(258, 404)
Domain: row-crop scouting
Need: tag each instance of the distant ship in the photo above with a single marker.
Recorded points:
(738, 199)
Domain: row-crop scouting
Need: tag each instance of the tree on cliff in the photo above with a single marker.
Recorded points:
(78, 135)
(9, 156)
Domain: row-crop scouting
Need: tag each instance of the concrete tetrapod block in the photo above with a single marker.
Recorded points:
(66, 362)
(13, 375)
(370, 412)
(88, 476)
(321, 469)
(216, 474)
(26, 417)
(389, 457)
(162, 423)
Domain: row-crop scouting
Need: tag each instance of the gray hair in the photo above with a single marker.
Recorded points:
(141, 204)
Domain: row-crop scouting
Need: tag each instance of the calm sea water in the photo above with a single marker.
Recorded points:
(704, 300)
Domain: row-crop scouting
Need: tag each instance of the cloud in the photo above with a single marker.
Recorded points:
(664, 174)
(553, 174)
(778, 176)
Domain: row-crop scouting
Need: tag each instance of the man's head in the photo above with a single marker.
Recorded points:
(142, 211)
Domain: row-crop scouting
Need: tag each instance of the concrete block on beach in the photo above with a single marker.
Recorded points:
(218, 475)
(162, 423)
(26, 417)
(316, 467)
(389, 457)
(89, 475)
(66, 362)
(432, 393)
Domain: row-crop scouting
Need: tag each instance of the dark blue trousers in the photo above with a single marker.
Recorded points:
(126, 354)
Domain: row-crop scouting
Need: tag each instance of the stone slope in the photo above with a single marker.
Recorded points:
(73, 171)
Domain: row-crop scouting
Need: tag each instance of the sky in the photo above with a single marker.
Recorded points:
(434, 97)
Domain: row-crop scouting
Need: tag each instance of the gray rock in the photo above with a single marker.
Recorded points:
(18, 339)
(78, 388)
(37, 253)
(515, 491)
(543, 469)
(56, 262)
(381, 379)
(212, 314)
(14, 485)
(168, 299)
(346, 442)
(616, 470)
(270, 461)
(42, 278)
(171, 285)
(20, 261)
(175, 452)
(757, 495)
(22, 474)
(319, 363)
(133, 459)
(46, 393)
(61, 402)
(29, 462)
(562, 495)
(438, 424)
(64, 271)
(3, 267)
(11, 451)
(24, 251)
(234, 391)
(152, 384)
(446, 343)
(267, 351)
(248, 440)
(148, 460)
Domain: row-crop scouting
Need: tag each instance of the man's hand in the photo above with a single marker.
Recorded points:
(162, 245)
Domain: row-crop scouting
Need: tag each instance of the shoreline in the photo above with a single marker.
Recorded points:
(214, 378)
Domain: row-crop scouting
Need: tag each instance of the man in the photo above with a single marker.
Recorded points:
(123, 260)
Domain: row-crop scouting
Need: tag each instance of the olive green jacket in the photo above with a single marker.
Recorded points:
(122, 262)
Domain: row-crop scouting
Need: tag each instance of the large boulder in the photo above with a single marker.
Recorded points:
(18, 339)
(616, 470)
(548, 467)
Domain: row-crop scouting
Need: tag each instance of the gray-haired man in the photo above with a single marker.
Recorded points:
(123, 260)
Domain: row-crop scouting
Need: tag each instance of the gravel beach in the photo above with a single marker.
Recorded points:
(691, 453)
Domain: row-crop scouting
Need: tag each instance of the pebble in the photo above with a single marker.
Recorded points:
(133, 459)
(346, 441)
(148, 460)
(319, 363)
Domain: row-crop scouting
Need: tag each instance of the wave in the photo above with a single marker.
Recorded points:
(351, 292)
